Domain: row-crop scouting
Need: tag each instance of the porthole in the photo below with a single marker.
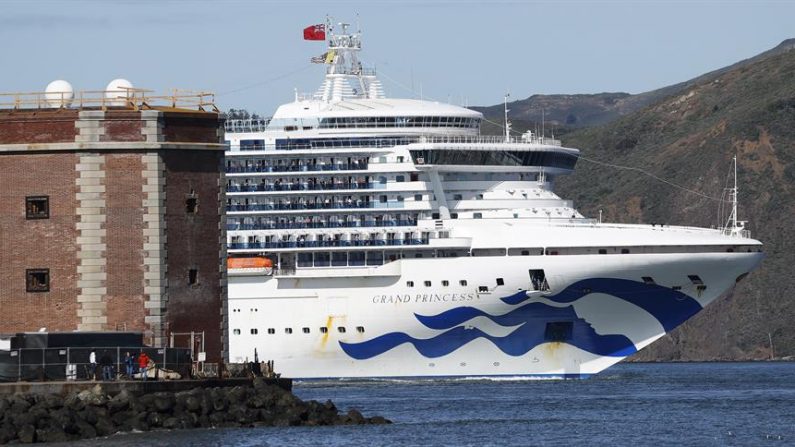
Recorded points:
(360, 329)
(445, 283)
(341, 329)
(483, 289)
(288, 330)
(463, 363)
(254, 331)
(500, 282)
(427, 283)
(463, 282)
(236, 331)
(496, 363)
(409, 283)
(306, 330)
(271, 330)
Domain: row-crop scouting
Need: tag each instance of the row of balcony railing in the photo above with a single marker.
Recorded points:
(326, 243)
(313, 206)
(255, 168)
(240, 226)
(303, 186)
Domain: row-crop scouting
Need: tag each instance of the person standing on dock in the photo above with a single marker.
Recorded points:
(143, 364)
(92, 365)
(129, 361)
(107, 366)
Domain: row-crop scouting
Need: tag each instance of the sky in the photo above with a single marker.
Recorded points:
(252, 55)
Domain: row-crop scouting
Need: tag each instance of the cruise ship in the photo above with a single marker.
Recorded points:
(377, 237)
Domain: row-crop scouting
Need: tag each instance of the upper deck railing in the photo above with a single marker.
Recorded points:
(246, 125)
(126, 98)
(489, 139)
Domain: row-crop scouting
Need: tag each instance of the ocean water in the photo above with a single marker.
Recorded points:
(700, 404)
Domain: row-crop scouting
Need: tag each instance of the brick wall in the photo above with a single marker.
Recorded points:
(193, 243)
(45, 243)
(124, 241)
(41, 126)
(193, 127)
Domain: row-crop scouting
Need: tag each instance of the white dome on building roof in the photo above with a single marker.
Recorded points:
(59, 93)
(118, 89)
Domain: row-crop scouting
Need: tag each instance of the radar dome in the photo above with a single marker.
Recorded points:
(59, 94)
(117, 90)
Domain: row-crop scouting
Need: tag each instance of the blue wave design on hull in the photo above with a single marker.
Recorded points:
(668, 306)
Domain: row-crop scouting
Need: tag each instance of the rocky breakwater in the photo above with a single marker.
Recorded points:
(90, 413)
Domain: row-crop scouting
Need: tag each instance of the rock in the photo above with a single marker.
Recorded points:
(7, 433)
(354, 417)
(51, 435)
(85, 430)
(154, 419)
(193, 404)
(378, 420)
(119, 402)
(164, 402)
(27, 434)
(171, 423)
(105, 426)
(19, 404)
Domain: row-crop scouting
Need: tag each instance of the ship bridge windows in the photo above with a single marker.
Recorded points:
(399, 121)
(488, 252)
(528, 251)
(545, 158)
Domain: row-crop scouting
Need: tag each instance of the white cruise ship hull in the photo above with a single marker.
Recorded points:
(596, 312)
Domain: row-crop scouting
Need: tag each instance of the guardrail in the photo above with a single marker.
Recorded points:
(57, 364)
(129, 98)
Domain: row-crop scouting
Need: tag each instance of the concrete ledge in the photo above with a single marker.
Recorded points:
(132, 386)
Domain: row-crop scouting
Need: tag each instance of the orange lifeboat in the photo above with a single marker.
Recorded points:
(256, 262)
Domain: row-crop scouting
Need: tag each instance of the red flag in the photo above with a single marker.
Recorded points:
(315, 32)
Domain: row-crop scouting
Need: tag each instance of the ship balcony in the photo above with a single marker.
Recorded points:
(324, 207)
(363, 166)
(309, 188)
(319, 225)
(243, 247)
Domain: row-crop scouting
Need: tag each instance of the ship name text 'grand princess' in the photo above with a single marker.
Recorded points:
(376, 237)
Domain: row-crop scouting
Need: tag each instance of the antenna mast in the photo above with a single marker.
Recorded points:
(734, 227)
(507, 123)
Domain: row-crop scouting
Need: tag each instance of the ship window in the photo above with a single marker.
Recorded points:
(37, 280)
(306, 330)
(409, 283)
(445, 283)
(624, 251)
(400, 159)
(360, 329)
(288, 330)
(483, 289)
(400, 199)
(434, 215)
(463, 282)
(193, 277)
(382, 199)
(558, 331)
(695, 279)
(323, 330)
(676, 288)
(479, 197)
(271, 330)
(648, 280)
(254, 331)
(457, 197)
(427, 283)
(37, 207)
(500, 282)
(602, 251)
(236, 331)
(400, 178)
(453, 215)
(341, 329)
(414, 177)
(477, 215)
(418, 197)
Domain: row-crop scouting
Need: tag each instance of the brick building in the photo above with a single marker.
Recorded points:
(110, 219)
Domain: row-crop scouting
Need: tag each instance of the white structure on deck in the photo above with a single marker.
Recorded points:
(371, 236)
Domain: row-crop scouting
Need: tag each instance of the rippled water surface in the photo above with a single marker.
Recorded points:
(639, 404)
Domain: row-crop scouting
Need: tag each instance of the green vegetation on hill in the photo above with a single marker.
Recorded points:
(689, 138)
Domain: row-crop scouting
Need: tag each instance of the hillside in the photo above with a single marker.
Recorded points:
(689, 137)
(587, 110)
